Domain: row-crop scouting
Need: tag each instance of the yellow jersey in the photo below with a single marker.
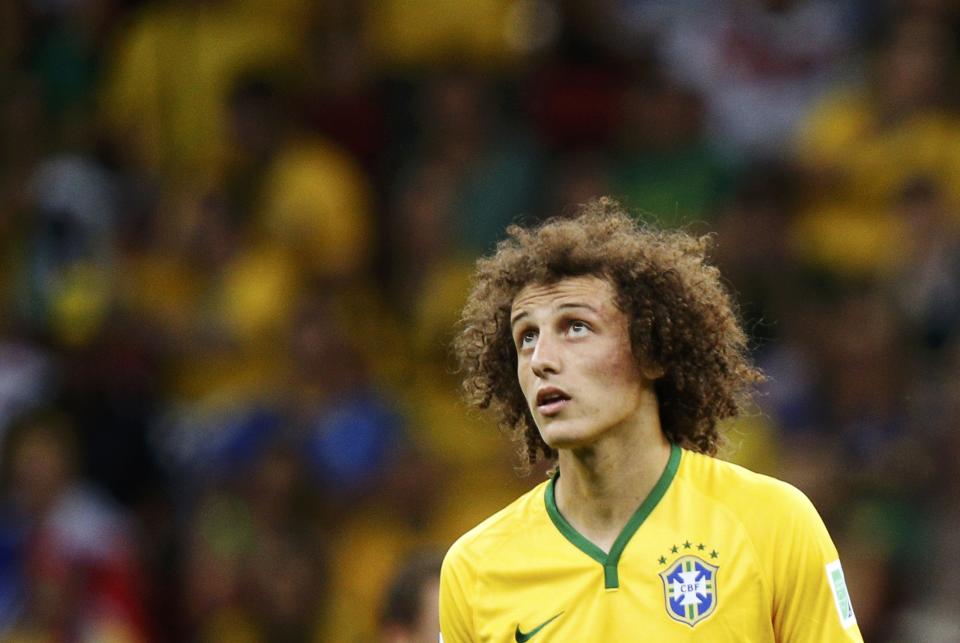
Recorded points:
(714, 553)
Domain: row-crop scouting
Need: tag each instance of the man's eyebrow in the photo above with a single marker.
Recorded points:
(576, 305)
(523, 313)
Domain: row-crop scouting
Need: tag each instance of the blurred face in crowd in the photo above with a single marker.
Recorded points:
(40, 468)
(575, 363)
(425, 626)
(429, 617)
(914, 64)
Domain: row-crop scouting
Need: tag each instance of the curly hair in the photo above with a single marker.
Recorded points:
(681, 319)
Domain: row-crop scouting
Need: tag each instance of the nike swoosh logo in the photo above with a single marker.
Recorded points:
(523, 637)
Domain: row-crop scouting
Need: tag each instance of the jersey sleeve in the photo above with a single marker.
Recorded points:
(457, 580)
(810, 599)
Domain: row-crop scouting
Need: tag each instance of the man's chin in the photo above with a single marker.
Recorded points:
(558, 438)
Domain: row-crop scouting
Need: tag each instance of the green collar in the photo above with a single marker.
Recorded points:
(611, 560)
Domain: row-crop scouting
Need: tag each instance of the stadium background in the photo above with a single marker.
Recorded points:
(234, 236)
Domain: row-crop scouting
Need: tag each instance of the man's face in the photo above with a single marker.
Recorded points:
(574, 361)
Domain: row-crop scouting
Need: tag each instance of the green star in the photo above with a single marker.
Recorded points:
(714, 554)
(662, 560)
(686, 545)
(700, 547)
(673, 549)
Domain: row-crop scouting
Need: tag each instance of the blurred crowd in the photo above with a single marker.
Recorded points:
(235, 236)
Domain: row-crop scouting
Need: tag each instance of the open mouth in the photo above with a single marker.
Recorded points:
(551, 400)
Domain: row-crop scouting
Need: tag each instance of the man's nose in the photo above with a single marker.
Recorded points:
(545, 358)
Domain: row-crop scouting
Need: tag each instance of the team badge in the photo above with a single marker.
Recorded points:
(690, 589)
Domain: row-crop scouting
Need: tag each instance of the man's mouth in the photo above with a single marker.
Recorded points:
(551, 400)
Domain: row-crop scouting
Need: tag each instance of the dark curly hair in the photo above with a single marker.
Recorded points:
(681, 320)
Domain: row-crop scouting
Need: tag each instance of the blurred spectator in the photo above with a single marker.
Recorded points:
(68, 58)
(470, 176)
(409, 613)
(422, 230)
(575, 177)
(68, 285)
(664, 163)
(754, 248)
(495, 167)
(316, 208)
(928, 286)
(80, 576)
(575, 103)
(255, 570)
(340, 93)
(862, 145)
(352, 433)
(759, 63)
(435, 32)
(171, 73)
(26, 376)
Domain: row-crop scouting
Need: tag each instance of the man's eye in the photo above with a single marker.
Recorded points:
(578, 328)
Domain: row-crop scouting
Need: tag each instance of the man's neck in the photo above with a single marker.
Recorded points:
(602, 486)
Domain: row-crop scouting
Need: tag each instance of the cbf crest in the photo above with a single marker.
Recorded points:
(690, 589)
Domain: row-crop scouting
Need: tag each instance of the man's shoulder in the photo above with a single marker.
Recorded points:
(741, 490)
(496, 531)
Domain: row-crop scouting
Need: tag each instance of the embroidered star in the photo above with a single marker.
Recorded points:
(673, 549)
(686, 545)
(714, 554)
(662, 560)
(700, 547)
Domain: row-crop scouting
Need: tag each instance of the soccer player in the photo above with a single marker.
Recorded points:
(612, 349)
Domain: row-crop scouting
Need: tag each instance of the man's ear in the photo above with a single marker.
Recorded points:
(652, 371)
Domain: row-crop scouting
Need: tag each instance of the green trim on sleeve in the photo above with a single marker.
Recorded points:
(610, 561)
